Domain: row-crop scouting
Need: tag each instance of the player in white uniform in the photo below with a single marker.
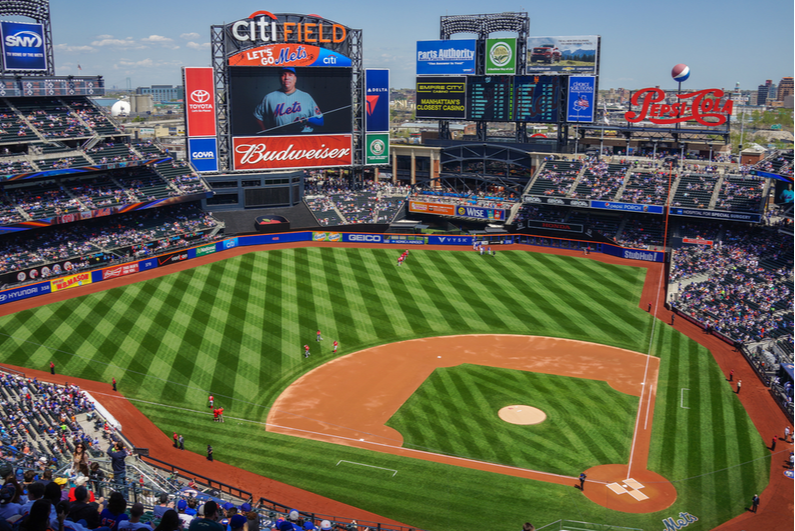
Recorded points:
(288, 110)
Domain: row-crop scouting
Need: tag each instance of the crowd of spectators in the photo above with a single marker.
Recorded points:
(647, 188)
(600, 180)
(135, 234)
(642, 232)
(334, 201)
(742, 286)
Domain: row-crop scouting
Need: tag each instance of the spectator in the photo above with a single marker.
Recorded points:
(134, 523)
(210, 520)
(81, 509)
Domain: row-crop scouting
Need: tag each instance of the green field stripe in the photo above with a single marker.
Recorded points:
(360, 327)
(426, 292)
(376, 306)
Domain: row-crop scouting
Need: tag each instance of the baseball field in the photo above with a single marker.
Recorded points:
(445, 460)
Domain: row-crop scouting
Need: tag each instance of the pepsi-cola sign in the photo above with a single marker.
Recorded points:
(699, 106)
(23, 46)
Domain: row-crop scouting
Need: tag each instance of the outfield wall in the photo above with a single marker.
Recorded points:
(128, 268)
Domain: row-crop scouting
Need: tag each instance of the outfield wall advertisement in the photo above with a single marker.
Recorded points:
(108, 273)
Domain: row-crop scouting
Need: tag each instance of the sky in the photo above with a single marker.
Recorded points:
(147, 42)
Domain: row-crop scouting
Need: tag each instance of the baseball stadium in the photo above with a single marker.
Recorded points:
(459, 334)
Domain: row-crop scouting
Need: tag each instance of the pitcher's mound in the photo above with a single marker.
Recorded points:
(522, 415)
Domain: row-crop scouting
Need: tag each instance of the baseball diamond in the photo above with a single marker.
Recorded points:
(455, 336)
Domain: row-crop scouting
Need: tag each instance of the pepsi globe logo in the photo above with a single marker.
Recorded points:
(680, 72)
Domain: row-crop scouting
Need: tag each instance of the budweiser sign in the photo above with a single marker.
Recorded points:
(119, 271)
(703, 106)
(287, 152)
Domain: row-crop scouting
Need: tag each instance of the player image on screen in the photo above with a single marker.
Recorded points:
(288, 109)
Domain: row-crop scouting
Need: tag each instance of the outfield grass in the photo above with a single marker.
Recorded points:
(236, 328)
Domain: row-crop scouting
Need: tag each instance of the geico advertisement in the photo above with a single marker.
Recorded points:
(286, 152)
(71, 281)
(363, 238)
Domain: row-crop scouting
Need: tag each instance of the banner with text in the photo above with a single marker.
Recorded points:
(377, 149)
(441, 97)
(71, 281)
(199, 102)
(716, 214)
(501, 56)
(23, 46)
(292, 152)
(628, 207)
(376, 96)
(582, 99)
(203, 154)
(446, 57)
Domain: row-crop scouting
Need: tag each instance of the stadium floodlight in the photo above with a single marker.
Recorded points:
(38, 10)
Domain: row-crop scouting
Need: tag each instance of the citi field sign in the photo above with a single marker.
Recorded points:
(703, 106)
(267, 28)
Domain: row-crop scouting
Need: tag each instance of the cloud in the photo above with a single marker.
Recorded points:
(144, 62)
(197, 46)
(189, 36)
(126, 43)
(104, 37)
(74, 49)
(159, 39)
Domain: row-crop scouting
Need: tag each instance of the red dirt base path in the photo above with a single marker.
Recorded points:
(775, 511)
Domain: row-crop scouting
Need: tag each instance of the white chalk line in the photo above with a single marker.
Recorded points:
(371, 466)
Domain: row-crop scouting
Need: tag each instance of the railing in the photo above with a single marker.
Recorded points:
(339, 523)
(212, 483)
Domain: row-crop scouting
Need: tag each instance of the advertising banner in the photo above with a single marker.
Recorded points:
(490, 214)
(326, 237)
(290, 101)
(403, 241)
(287, 55)
(290, 152)
(299, 31)
(71, 281)
(442, 209)
(203, 154)
(446, 57)
(551, 225)
(449, 240)
(23, 46)
(362, 238)
(16, 294)
(120, 271)
(376, 149)
(376, 94)
(205, 250)
(501, 56)
(276, 238)
(582, 99)
(559, 201)
(230, 243)
(35, 273)
(200, 101)
(633, 254)
(697, 241)
(716, 214)
(628, 207)
(565, 55)
(441, 97)
(149, 263)
(172, 258)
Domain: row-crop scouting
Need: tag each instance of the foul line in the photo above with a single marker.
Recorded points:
(682, 398)
(371, 466)
(645, 376)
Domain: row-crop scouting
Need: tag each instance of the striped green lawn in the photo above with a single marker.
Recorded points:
(236, 327)
(593, 422)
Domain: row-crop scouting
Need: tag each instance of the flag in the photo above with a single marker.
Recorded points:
(605, 108)
(79, 67)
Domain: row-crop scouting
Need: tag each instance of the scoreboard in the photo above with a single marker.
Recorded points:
(513, 98)
(537, 98)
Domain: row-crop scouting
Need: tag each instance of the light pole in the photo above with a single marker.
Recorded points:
(740, 147)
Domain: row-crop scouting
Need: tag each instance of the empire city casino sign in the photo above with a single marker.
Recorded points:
(703, 106)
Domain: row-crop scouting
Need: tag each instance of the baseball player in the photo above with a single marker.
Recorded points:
(288, 110)
(337, 344)
(306, 351)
